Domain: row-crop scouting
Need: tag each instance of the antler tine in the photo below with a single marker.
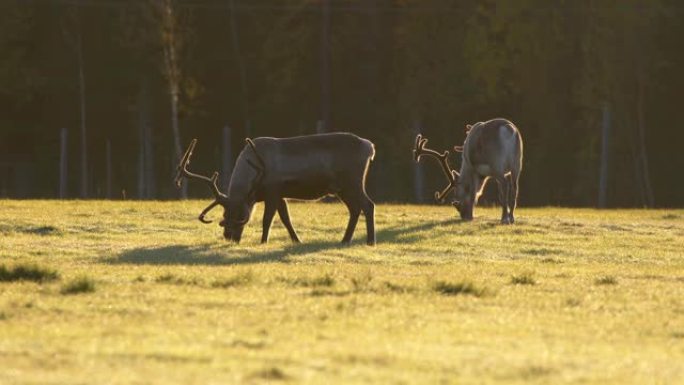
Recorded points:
(418, 148)
(452, 175)
(183, 171)
(206, 210)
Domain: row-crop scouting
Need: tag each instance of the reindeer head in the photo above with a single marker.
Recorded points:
(237, 209)
(244, 187)
(236, 214)
(464, 201)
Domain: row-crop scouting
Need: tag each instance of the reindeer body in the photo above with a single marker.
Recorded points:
(491, 149)
(309, 167)
(305, 167)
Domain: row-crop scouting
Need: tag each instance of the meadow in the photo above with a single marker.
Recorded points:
(99, 292)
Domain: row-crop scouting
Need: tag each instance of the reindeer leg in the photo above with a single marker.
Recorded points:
(513, 196)
(284, 214)
(269, 212)
(354, 212)
(369, 213)
(502, 185)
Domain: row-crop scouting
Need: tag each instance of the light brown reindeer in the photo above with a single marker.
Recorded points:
(304, 167)
(491, 149)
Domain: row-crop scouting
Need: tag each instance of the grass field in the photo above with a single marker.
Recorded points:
(127, 292)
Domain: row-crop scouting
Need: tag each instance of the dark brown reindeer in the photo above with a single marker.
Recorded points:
(305, 167)
(491, 149)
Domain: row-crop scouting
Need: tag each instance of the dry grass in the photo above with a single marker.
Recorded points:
(562, 296)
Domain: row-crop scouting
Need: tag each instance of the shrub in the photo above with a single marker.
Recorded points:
(325, 280)
(607, 280)
(459, 288)
(174, 280)
(79, 285)
(523, 279)
(27, 273)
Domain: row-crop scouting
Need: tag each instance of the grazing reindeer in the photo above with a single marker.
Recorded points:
(491, 149)
(304, 167)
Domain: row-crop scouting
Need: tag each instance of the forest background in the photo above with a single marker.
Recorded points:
(99, 97)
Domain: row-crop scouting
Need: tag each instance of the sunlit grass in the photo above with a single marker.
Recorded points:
(562, 296)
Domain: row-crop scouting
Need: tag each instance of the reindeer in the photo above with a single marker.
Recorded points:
(309, 167)
(491, 149)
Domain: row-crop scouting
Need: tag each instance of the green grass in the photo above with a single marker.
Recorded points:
(436, 301)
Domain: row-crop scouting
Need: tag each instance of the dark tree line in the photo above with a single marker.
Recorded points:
(132, 81)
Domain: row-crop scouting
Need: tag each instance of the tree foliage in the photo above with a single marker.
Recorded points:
(395, 66)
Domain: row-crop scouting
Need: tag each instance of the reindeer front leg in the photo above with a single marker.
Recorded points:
(284, 214)
(269, 212)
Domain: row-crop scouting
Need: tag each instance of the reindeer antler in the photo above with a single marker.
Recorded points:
(452, 175)
(182, 171)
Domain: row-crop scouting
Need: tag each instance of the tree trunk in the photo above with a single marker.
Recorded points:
(108, 155)
(169, 39)
(325, 65)
(177, 140)
(418, 172)
(81, 89)
(636, 162)
(227, 157)
(150, 180)
(141, 156)
(605, 154)
(241, 69)
(643, 154)
(63, 153)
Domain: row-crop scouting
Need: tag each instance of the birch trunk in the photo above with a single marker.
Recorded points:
(170, 43)
(81, 91)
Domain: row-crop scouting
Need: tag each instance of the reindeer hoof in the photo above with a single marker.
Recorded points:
(506, 220)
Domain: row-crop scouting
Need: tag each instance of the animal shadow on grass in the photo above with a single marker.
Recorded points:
(409, 234)
(204, 255)
(232, 255)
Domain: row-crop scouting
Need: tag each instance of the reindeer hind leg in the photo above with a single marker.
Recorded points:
(503, 187)
(284, 214)
(513, 195)
(354, 211)
(368, 208)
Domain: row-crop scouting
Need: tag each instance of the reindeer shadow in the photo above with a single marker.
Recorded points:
(208, 255)
(408, 234)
